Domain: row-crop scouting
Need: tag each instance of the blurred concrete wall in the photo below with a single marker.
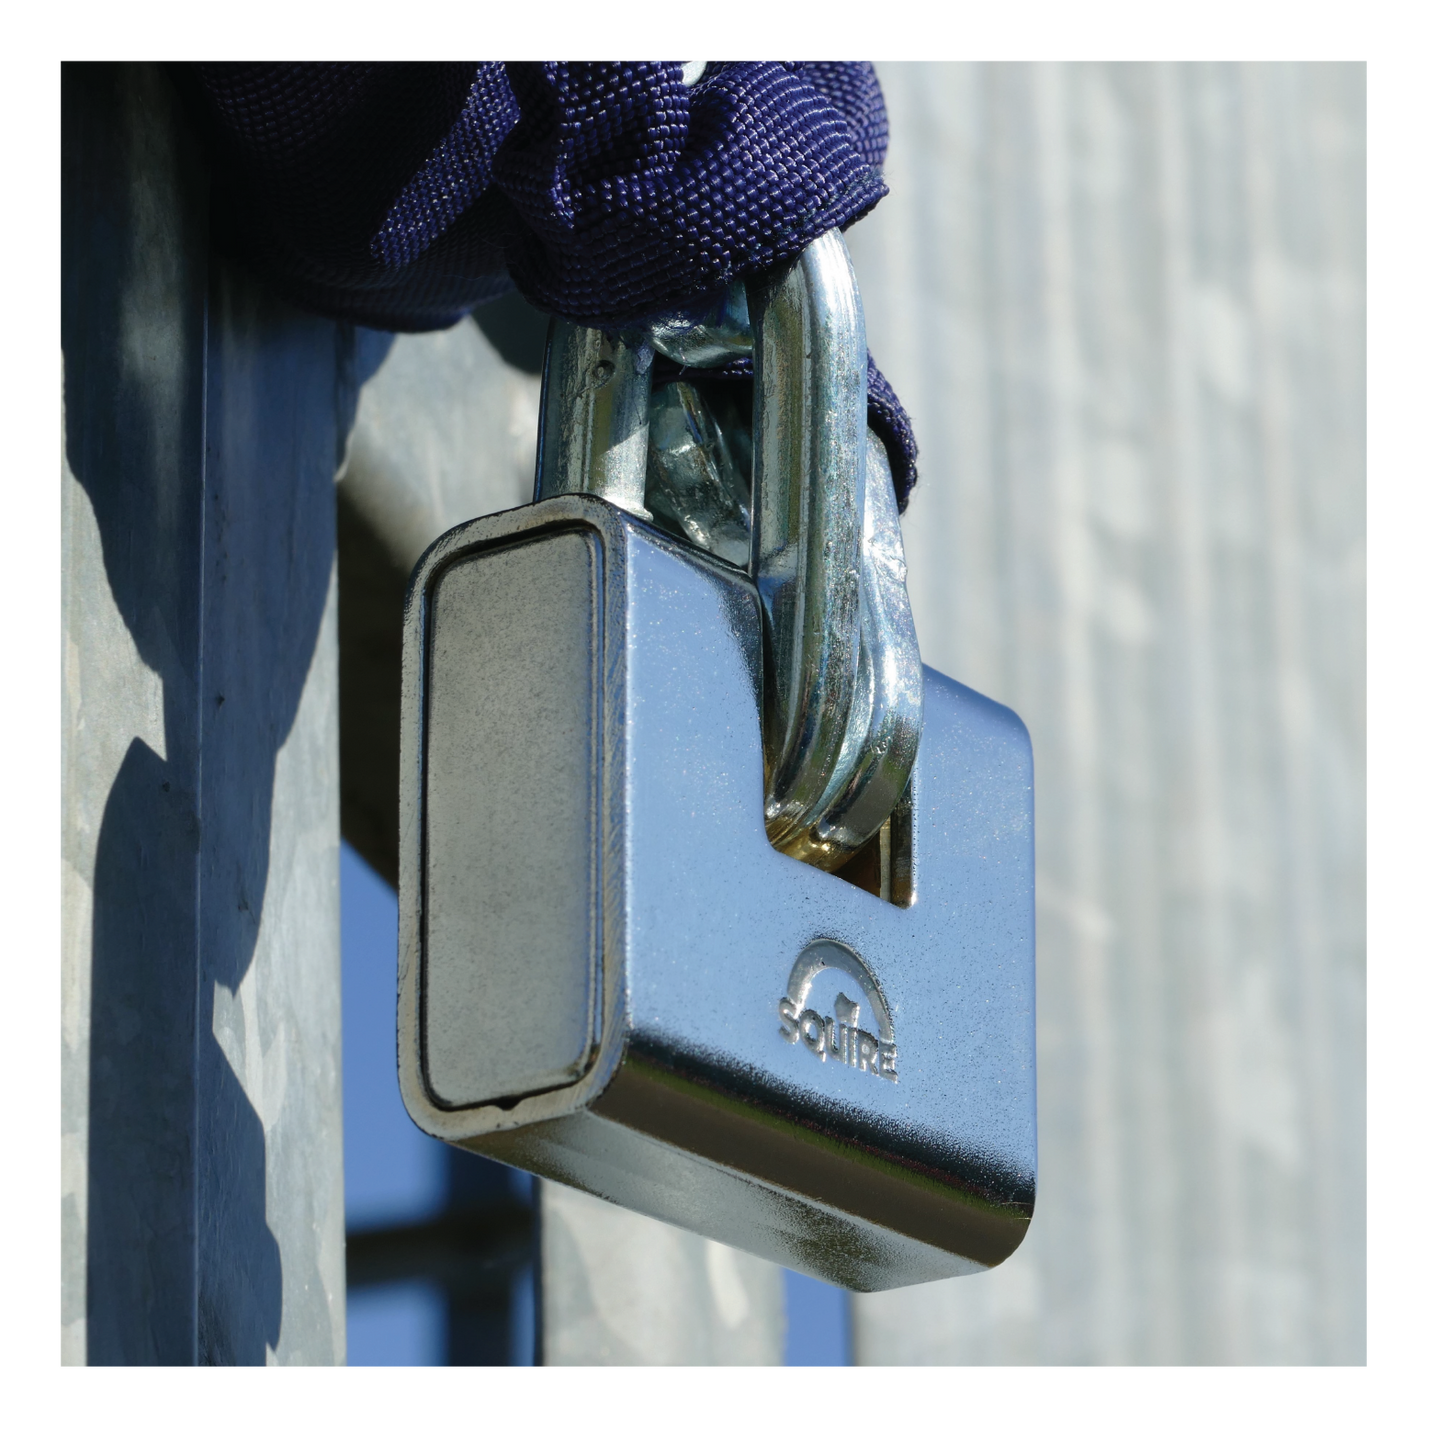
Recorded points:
(1125, 308)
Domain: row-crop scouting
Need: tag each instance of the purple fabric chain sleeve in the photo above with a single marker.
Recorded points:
(400, 196)
(637, 194)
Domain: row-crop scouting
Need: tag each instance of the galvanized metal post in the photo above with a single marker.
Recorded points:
(203, 1217)
(133, 309)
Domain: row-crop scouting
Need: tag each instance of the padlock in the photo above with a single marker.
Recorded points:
(609, 974)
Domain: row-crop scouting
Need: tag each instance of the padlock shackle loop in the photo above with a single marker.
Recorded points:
(810, 417)
(843, 684)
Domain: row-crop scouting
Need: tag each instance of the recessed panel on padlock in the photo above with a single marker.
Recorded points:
(511, 977)
(611, 978)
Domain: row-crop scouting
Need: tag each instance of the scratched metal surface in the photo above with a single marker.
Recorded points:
(1124, 305)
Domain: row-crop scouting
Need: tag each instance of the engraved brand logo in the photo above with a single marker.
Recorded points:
(839, 1037)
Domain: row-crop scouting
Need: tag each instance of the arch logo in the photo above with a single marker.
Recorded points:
(840, 1038)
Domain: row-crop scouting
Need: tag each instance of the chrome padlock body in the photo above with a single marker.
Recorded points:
(609, 977)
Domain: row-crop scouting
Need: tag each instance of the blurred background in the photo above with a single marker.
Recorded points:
(1124, 305)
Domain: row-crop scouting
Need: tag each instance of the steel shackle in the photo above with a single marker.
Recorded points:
(843, 681)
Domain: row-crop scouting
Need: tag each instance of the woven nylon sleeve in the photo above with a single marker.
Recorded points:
(401, 196)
